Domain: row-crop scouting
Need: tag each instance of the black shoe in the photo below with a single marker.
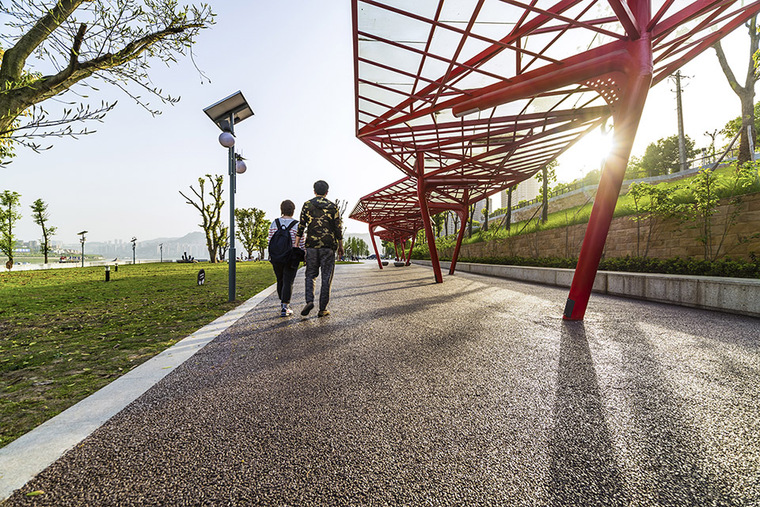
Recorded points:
(307, 309)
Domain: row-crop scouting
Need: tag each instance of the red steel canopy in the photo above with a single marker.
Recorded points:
(470, 97)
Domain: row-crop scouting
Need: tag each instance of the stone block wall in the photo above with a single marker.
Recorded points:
(668, 239)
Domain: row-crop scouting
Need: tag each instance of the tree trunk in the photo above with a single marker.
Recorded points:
(45, 244)
(469, 222)
(747, 98)
(11, 242)
(745, 93)
(485, 216)
(545, 196)
(509, 208)
(210, 247)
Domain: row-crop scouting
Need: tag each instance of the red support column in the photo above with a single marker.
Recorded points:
(626, 116)
(409, 257)
(425, 212)
(374, 245)
(463, 217)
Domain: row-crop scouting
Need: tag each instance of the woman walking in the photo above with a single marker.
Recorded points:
(282, 237)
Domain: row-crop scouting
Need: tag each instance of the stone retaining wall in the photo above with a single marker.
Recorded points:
(732, 295)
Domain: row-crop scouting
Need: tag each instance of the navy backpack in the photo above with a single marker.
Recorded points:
(281, 243)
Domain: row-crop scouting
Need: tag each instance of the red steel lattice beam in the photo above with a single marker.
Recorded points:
(470, 98)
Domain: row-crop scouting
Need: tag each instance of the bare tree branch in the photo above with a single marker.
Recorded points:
(15, 57)
(118, 39)
(730, 77)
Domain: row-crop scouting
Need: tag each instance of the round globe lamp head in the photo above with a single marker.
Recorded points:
(240, 167)
(226, 139)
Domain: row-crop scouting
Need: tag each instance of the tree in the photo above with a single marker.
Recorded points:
(262, 233)
(245, 228)
(389, 249)
(9, 215)
(661, 157)
(707, 195)
(633, 170)
(731, 128)
(114, 45)
(41, 217)
(547, 174)
(356, 247)
(211, 212)
(421, 237)
(222, 240)
(438, 223)
(652, 203)
(591, 178)
(342, 204)
(250, 231)
(362, 248)
(745, 93)
(253, 230)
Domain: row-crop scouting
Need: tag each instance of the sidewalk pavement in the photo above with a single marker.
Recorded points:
(470, 392)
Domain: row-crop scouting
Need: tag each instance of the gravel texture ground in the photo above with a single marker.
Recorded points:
(470, 392)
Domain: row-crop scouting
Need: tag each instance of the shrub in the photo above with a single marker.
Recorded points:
(735, 268)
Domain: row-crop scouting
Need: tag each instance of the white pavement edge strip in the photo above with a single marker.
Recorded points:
(31, 453)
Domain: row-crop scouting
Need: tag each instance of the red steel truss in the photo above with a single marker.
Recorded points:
(470, 97)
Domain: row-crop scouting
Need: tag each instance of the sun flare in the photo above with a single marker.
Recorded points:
(585, 156)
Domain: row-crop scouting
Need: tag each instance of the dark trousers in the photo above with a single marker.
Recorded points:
(286, 275)
(319, 259)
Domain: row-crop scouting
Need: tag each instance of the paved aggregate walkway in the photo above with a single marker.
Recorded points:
(470, 392)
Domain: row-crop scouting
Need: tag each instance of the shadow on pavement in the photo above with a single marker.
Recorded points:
(583, 467)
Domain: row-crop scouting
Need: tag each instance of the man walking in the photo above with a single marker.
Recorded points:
(321, 221)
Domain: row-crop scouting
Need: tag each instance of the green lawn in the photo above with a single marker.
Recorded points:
(65, 333)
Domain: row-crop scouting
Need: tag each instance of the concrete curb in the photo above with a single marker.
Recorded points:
(731, 295)
(31, 453)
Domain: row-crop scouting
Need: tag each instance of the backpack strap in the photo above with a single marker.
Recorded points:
(294, 222)
(277, 222)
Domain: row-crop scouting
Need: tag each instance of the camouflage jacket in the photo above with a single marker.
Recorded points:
(321, 221)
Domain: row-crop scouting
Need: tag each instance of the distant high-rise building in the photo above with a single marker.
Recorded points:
(524, 191)
(477, 214)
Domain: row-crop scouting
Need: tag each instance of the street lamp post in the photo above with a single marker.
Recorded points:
(134, 243)
(82, 240)
(226, 114)
(161, 249)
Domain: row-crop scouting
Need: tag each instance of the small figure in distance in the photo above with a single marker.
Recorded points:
(321, 222)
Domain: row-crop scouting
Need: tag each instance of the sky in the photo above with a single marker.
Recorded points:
(292, 60)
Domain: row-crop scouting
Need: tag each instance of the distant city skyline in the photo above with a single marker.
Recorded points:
(293, 62)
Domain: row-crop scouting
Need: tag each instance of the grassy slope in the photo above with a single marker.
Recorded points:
(580, 214)
(65, 333)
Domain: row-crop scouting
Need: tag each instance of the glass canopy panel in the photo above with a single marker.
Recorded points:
(417, 61)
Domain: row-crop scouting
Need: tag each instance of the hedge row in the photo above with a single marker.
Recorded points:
(676, 266)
